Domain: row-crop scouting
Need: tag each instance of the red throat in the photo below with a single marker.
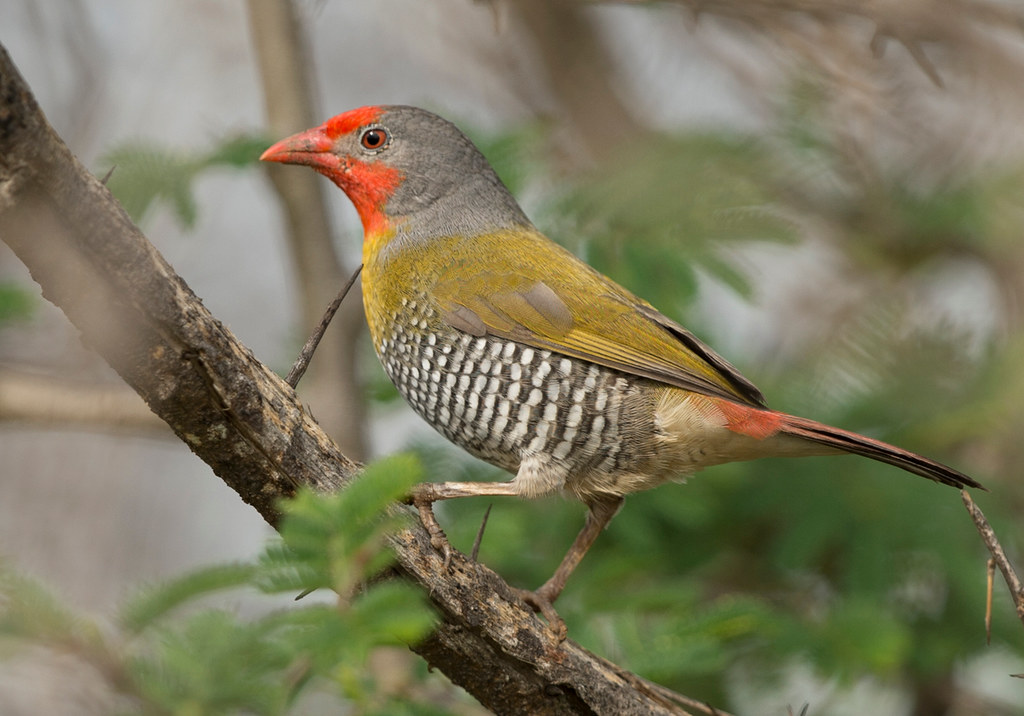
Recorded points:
(368, 184)
(369, 187)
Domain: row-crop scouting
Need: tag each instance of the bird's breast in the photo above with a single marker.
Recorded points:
(502, 400)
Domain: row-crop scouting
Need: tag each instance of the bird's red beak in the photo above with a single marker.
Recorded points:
(368, 185)
(312, 148)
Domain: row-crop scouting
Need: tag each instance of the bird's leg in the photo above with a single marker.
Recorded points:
(424, 495)
(600, 513)
(542, 599)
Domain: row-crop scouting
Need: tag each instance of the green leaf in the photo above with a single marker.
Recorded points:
(238, 151)
(146, 174)
(29, 610)
(393, 612)
(215, 663)
(651, 217)
(339, 539)
(516, 155)
(858, 635)
(157, 601)
(681, 639)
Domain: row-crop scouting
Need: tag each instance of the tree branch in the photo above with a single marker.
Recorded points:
(46, 400)
(999, 559)
(247, 424)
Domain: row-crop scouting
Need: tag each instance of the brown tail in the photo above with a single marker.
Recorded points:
(876, 450)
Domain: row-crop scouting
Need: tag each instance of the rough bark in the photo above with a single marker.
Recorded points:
(247, 424)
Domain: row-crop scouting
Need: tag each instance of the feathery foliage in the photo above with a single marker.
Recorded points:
(173, 653)
(145, 174)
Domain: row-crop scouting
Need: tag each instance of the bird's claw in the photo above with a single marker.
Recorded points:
(539, 602)
(423, 501)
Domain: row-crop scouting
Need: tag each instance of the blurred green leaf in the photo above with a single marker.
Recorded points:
(215, 663)
(339, 539)
(238, 151)
(145, 173)
(155, 602)
(16, 302)
(655, 216)
(517, 154)
(30, 610)
(176, 656)
(858, 634)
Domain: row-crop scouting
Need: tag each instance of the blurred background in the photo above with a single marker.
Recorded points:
(830, 194)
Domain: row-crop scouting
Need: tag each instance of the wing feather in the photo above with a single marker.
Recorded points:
(555, 301)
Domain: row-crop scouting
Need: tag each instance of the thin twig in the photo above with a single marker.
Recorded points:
(306, 354)
(988, 536)
(480, 534)
(988, 599)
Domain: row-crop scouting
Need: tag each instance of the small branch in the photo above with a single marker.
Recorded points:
(54, 401)
(306, 354)
(961, 28)
(988, 536)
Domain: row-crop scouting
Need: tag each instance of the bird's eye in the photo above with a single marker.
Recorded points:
(374, 138)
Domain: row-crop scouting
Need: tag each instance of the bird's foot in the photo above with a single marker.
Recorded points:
(539, 601)
(423, 499)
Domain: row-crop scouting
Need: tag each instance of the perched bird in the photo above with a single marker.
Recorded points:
(520, 353)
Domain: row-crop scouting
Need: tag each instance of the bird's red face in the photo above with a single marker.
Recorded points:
(347, 149)
(407, 171)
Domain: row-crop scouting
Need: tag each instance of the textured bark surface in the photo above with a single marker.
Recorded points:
(247, 424)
